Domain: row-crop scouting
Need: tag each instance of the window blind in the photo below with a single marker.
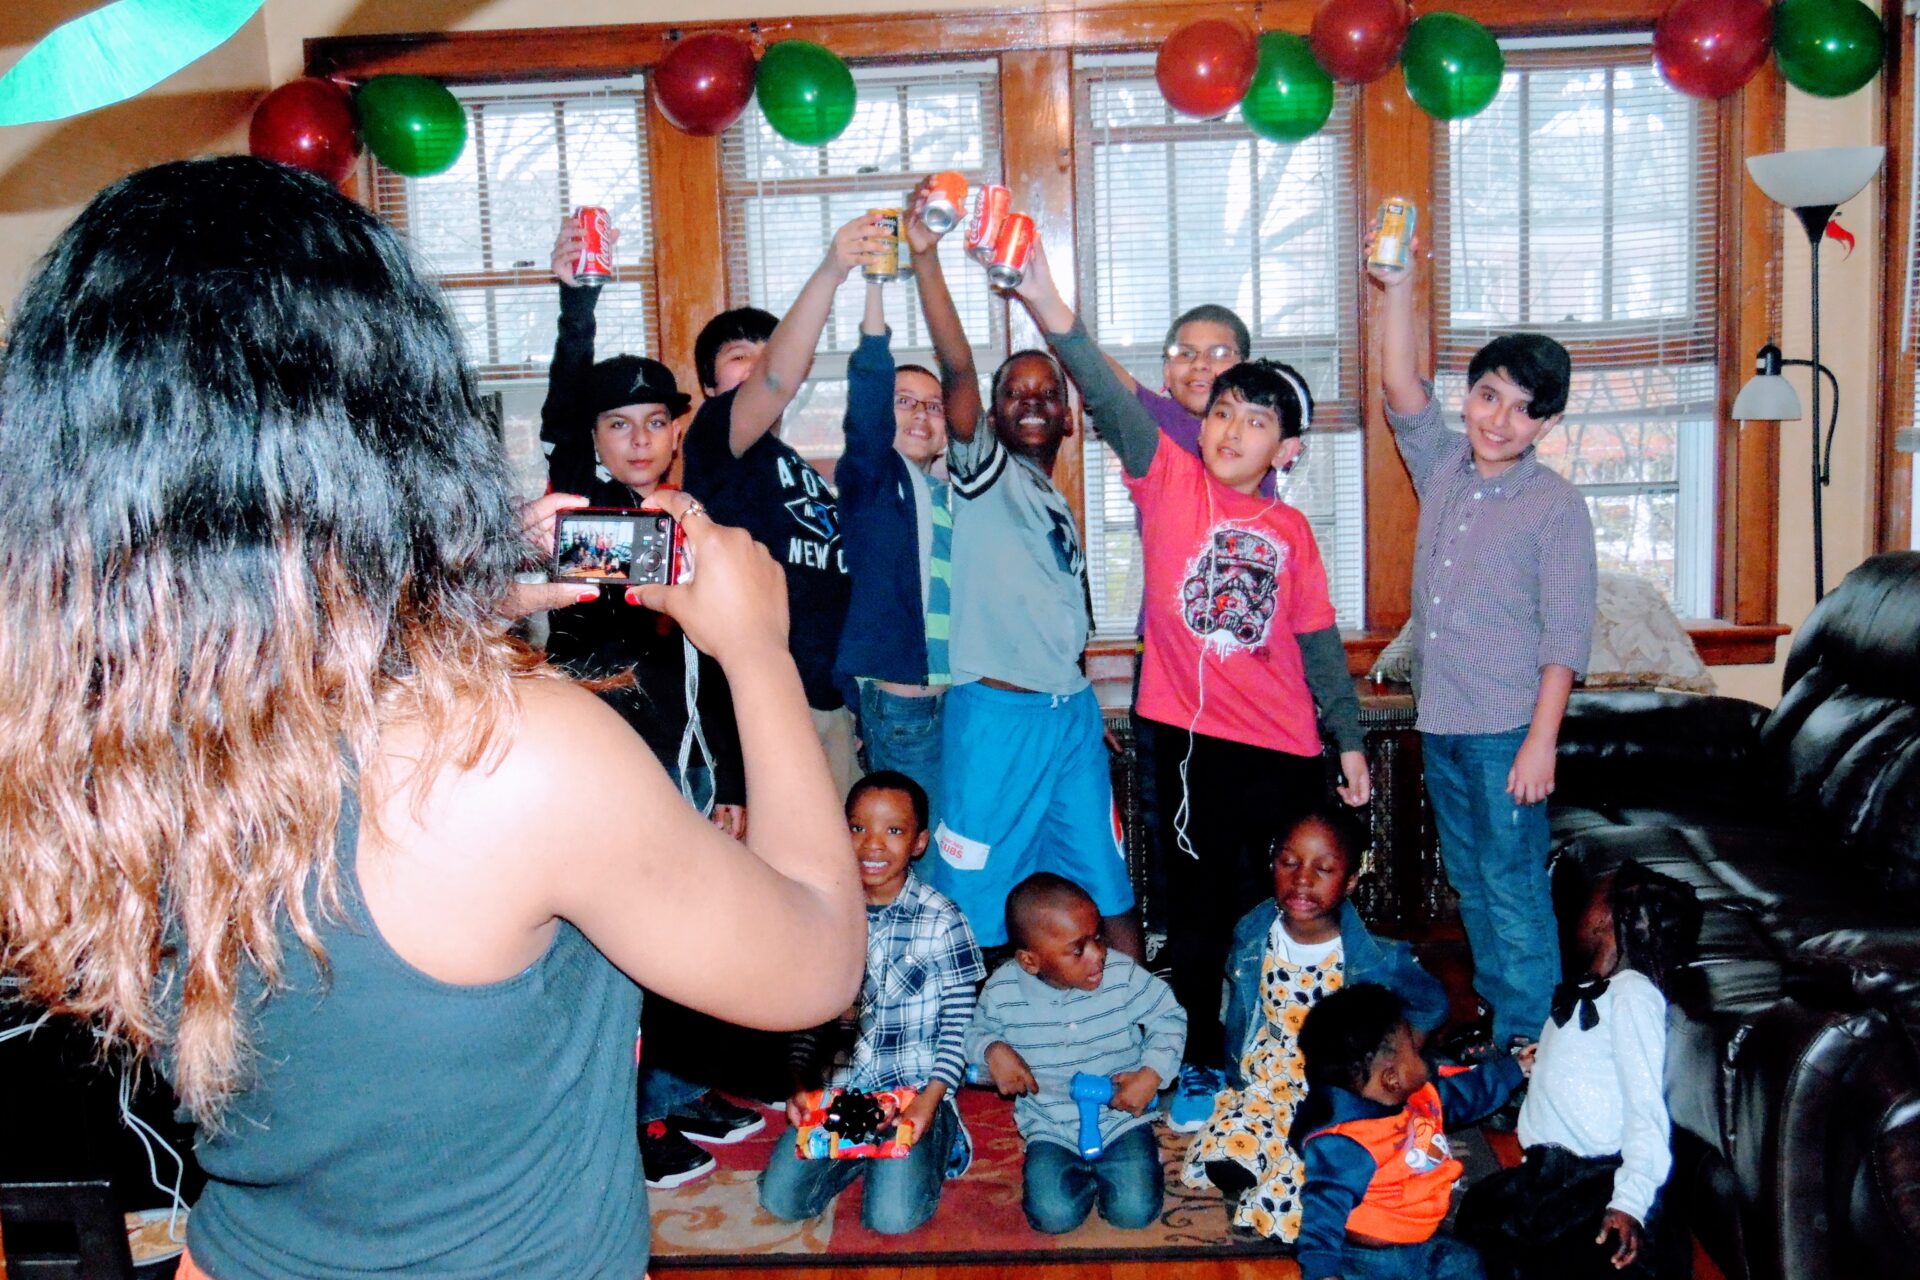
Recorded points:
(784, 202)
(486, 226)
(1177, 212)
(1584, 203)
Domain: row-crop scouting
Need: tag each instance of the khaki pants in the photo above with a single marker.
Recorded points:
(835, 729)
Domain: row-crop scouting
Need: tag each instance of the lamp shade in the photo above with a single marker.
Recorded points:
(1816, 175)
(1767, 397)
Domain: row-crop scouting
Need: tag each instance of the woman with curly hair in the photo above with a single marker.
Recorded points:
(284, 809)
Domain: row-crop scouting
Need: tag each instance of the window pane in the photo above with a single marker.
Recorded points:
(784, 203)
(1584, 204)
(487, 225)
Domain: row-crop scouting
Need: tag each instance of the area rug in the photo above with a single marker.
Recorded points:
(717, 1222)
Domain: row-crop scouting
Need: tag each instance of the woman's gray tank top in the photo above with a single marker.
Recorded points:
(403, 1125)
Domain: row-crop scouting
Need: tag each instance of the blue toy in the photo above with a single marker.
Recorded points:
(1092, 1093)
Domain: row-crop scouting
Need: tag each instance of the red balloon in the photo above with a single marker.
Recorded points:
(1204, 68)
(1709, 48)
(1359, 40)
(704, 82)
(309, 125)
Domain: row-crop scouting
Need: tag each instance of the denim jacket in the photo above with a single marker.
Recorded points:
(1364, 958)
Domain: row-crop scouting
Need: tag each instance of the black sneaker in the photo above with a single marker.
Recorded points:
(669, 1159)
(711, 1118)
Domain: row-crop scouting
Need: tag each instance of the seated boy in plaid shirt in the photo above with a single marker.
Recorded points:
(912, 1016)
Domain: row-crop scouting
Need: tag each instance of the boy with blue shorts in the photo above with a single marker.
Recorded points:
(1025, 780)
(1504, 580)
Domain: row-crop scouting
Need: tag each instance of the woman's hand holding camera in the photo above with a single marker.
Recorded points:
(735, 606)
(536, 520)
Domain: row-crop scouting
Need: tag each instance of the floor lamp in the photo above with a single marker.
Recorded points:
(1812, 183)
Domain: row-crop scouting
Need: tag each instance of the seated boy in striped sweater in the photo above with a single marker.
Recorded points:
(1064, 1005)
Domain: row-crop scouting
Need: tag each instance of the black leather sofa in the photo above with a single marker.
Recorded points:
(1794, 1054)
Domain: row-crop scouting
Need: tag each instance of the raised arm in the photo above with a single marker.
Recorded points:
(1399, 341)
(783, 363)
(869, 422)
(959, 380)
(1114, 412)
(564, 429)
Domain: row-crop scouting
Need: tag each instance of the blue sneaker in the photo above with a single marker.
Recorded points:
(1192, 1103)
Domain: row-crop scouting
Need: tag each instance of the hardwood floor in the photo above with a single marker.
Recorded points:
(1264, 1269)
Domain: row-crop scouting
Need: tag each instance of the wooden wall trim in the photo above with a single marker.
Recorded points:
(1394, 157)
(1893, 471)
(549, 53)
(1748, 492)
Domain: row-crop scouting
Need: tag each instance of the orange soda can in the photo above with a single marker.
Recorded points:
(594, 263)
(995, 202)
(887, 267)
(1393, 233)
(1008, 267)
(946, 199)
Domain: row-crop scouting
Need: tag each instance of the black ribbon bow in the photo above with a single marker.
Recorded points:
(1583, 993)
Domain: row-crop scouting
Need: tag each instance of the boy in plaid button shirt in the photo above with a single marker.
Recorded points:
(914, 1007)
(1504, 581)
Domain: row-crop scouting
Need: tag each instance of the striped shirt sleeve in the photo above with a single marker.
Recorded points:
(956, 1011)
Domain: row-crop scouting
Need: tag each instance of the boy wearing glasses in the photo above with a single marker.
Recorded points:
(896, 524)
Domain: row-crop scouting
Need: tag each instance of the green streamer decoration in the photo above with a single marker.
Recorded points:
(113, 53)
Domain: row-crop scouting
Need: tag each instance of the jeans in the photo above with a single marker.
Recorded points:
(1496, 855)
(901, 1194)
(1059, 1188)
(904, 734)
(1441, 1258)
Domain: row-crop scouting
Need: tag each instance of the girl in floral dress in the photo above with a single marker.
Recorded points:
(1287, 954)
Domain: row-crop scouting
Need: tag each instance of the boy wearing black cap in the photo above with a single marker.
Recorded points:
(613, 429)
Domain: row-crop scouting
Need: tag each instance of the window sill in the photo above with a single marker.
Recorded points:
(1721, 644)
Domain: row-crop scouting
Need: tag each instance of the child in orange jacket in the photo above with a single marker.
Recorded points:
(1379, 1172)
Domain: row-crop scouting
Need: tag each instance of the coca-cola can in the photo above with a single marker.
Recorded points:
(594, 263)
(946, 199)
(1008, 266)
(989, 212)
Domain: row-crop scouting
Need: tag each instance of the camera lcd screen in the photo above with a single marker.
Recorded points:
(616, 547)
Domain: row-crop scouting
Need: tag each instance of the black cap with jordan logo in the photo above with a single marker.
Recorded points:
(624, 380)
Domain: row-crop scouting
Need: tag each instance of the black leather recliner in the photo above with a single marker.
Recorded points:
(1793, 1067)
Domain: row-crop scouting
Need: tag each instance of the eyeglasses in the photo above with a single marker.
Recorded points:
(933, 408)
(1218, 351)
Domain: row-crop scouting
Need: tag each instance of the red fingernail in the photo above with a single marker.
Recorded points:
(587, 596)
(633, 595)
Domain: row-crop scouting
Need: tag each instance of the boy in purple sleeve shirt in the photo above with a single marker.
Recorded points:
(1503, 600)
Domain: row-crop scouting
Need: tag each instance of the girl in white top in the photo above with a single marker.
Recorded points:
(1594, 1124)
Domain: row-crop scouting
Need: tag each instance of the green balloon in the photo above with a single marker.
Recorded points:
(413, 125)
(1828, 48)
(1453, 65)
(1290, 97)
(806, 92)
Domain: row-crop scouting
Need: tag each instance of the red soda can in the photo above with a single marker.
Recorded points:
(1008, 266)
(983, 231)
(594, 265)
(946, 198)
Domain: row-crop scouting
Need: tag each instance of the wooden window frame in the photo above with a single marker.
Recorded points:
(1392, 151)
(1893, 471)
